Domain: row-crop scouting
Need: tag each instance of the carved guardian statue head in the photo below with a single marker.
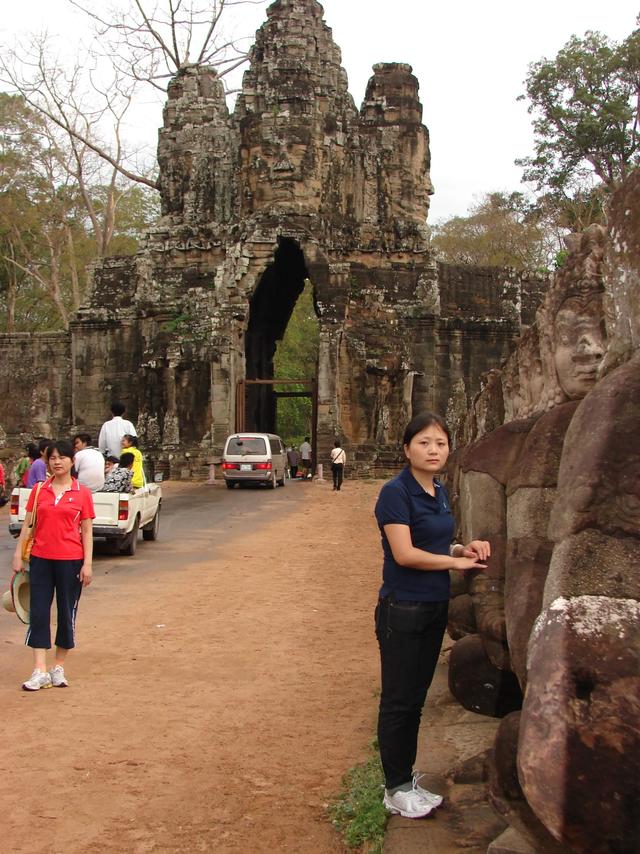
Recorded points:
(570, 322)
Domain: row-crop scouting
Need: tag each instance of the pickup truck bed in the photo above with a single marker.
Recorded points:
(119, 516)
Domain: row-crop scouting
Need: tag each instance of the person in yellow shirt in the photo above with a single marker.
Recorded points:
(130, 445)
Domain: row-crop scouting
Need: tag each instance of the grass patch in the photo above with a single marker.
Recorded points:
(357, 811)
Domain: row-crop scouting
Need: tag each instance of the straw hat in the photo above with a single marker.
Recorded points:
(18, 597)
(7, 601)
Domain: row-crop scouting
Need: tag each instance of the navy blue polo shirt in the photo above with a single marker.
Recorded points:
(402, 501)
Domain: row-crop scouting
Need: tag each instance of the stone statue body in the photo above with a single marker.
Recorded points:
(558, 494)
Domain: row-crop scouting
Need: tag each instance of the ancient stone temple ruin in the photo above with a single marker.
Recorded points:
(548, 638)
(295, 185)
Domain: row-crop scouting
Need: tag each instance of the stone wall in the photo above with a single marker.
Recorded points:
(296, 184)
(35, 384)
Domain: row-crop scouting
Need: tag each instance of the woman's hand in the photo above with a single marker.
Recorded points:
(479, 549)
(16, 564)
(86, 574)
(462, 563)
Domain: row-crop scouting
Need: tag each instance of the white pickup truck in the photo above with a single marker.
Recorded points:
(119, 516)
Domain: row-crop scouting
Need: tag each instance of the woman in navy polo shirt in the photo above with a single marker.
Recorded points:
(415, 521)
(61, 561)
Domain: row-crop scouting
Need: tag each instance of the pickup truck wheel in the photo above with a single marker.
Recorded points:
(131, 543)
(150, 531)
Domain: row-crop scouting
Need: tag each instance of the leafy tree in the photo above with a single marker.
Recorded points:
(586, 110)
(52, 220)
(501, 230)
(297, 358)
(135, 44)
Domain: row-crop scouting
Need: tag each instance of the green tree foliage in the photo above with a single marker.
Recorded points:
(501, 230)
(51, 221)
(297, 358)
(585, 105)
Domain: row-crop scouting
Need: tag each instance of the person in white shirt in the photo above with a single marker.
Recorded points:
(305, 457)
(88, 462)
(111, 432)
(338, 459)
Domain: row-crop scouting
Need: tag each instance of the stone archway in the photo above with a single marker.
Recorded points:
(270, 310)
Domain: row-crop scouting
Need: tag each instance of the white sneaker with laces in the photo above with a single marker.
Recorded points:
(36, 681)
(58, 679)
(408, 804)
(425, 794)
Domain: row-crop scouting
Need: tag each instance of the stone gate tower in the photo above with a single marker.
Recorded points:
(297, 184)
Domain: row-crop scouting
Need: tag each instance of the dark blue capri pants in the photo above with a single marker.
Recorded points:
(45, 577)
(410, 638)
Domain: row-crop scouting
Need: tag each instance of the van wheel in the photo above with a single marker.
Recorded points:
(150, 531)
(273, 482)
(283, 482)
(131, 543)
(230, 484)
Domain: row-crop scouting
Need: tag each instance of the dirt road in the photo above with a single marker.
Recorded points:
(213, 706)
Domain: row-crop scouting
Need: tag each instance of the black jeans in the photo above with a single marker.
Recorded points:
(410, 637)
(337, 470)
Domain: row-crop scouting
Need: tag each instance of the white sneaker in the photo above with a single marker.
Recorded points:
(36, 681)
(430, 797)
(58, 679)
(408, 804)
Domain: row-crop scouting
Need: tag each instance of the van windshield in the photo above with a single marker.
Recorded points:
(246, 445)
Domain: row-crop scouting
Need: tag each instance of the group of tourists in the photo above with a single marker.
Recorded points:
(114, 465)
(56, 540)
(302, 458)
(416, 528)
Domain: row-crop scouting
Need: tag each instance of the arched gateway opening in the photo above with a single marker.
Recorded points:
(270, 312)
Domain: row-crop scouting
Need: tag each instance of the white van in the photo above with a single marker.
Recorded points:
(254, 458)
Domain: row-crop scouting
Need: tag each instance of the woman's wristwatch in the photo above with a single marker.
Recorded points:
(452, 548)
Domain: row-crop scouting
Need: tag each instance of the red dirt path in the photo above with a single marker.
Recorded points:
(218, 721)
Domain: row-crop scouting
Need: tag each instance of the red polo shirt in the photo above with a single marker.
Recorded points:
(57, 534)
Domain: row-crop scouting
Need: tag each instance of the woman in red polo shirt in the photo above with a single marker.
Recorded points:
(61, 560)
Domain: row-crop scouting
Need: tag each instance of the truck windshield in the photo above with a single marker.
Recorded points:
(246, 445)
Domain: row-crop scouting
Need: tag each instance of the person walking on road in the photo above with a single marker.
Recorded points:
(61, 562)
(293, 458)
(111, 432)
(338, 461)
(416, 526)
(305, 456)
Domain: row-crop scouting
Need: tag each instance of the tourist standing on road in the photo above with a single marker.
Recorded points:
(111, 432)
(293, 458)
(338, 460)
(38, 468)
(416, 525)
(88, 462)
(305, 455)
(61, 562)
(130, 444)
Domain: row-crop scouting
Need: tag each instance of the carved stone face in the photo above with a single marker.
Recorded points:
(579, 345)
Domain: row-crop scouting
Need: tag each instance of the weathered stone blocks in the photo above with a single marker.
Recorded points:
(579, 747)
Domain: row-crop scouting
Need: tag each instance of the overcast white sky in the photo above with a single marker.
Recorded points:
(470, 58)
